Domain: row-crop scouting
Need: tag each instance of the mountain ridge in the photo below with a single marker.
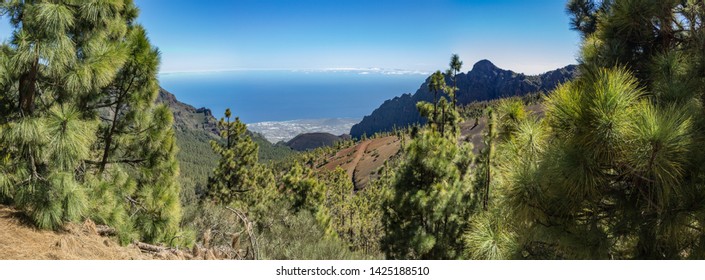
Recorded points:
(484, 81)
(187, 116)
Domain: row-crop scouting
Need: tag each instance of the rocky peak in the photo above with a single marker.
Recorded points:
(484, 66)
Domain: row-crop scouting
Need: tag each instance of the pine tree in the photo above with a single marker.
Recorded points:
(436, 83)
(446, 123)
(427, 213)
(80, 81)
(455, 65)
(238, 156)
(612, 171)
(488, 156)
(126, 101)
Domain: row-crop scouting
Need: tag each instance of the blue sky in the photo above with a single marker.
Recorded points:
(525, 36)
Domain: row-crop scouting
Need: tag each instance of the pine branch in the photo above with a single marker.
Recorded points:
(128, 161)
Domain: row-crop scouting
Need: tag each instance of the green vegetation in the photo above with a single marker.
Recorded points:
(608, 168)
(238, 156)
(613, 171)
(432, 200)
(313, 215)
(432, 196)
(197, 160)
(455, 65)
(269, 152)
(449, 116)
(80, 128)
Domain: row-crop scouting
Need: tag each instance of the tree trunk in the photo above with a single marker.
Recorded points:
(488, 176)
(455, 89)
(109, 138)
(443, 122)
(435, 95)
(28, 89)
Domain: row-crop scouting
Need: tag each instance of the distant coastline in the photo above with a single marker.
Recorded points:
(285, 95)
(284, 131)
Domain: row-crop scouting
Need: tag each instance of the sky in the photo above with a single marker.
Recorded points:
(525, 36)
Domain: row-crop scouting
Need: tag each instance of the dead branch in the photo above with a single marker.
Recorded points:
(104, 230)
(248, 227)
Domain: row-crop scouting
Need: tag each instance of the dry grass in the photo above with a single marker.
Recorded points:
(19, 240)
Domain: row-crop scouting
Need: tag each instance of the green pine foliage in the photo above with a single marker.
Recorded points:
(432, 197)
(431, 202)
(299, 236)
(81, 135)
(366, 227)
(443, 115)
(612, 171)
(491, 236)
(297, 212)
(238, 156)
(455, 65)
(344, 215)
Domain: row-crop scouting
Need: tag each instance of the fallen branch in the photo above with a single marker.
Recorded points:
(150, 248)
(248, 228)
(104, 230)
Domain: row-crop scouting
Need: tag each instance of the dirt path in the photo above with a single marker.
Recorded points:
(356, 160)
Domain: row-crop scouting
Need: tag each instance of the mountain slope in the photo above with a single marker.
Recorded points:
(363, 160)
(201, 126)
(310, 141)
(195, 128)
(484, 82)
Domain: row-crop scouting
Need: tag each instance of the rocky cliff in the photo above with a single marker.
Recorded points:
(187, 117)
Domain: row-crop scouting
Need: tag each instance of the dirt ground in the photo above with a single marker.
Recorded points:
(362, 160)
(19, 240)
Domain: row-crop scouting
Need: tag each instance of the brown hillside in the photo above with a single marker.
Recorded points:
(362, 160)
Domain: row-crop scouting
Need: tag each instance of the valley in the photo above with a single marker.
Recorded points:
(234, 130)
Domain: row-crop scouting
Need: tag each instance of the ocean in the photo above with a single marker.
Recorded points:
(283, 95)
